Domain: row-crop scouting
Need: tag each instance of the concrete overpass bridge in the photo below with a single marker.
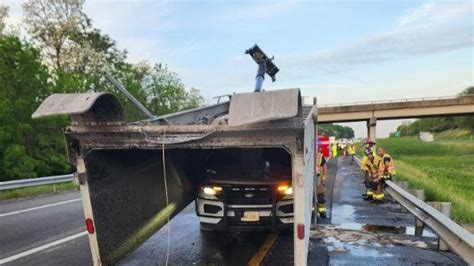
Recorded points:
(394, 109)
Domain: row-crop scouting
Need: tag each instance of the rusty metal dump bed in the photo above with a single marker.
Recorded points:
(249, 119)
(122, 168)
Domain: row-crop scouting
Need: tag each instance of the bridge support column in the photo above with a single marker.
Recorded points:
(371, 128)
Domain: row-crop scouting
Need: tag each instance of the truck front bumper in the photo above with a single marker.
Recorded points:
(217, 215)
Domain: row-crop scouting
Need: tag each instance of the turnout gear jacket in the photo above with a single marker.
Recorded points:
(386, 165)
(351, 150)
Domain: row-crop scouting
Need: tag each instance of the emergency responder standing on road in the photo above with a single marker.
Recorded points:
(351, 151)
(321, 171)
(334, 150)
(386, 171)
(344, 150)
(369, 165)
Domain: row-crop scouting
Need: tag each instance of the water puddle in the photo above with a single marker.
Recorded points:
(371, 237)
(342, 214)
(357, 249)
(399, 230)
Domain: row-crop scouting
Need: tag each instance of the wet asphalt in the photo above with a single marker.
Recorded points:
(356, 232)
(364, 233)
(190, 246)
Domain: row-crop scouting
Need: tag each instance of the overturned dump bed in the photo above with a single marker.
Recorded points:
(123, 169)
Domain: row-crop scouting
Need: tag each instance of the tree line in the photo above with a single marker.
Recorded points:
(65, 53)
(438, 124)
(340, 132)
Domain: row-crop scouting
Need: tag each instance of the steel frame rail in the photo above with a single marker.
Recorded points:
(35, 181)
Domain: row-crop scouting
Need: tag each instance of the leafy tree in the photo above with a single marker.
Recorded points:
(165, 92)
(3, 17)
(156, 87)
(336, 130)
(467, 91)
(69, 43)
(67, 55)
(28, 147)
(51, 23)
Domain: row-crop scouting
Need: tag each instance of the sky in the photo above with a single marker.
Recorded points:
(338, 51)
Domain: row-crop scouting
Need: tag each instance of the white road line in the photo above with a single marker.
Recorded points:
(39, 207)
(41, 248)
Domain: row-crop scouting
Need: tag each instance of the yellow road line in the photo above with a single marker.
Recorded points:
(263, 250)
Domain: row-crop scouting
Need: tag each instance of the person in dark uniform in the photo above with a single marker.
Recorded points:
(321, 171)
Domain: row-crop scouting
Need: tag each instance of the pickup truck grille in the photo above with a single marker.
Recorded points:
(249, 195)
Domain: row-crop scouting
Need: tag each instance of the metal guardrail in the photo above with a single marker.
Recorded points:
(35, 181)
(456, 237)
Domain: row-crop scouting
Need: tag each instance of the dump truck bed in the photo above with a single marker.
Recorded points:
(122, 168)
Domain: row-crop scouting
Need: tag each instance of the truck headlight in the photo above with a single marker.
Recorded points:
(285, 190)
(212, 190)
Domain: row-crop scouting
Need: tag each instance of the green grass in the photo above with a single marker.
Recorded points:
(412, 146)
(444, 170)
(454, 134)
(35, 191)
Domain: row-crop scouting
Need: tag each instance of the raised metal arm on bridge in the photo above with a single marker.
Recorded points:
(129, 96)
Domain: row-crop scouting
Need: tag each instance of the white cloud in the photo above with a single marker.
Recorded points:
(428, 29)
(434, 13)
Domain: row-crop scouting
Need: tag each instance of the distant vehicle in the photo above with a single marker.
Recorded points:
(252, 192)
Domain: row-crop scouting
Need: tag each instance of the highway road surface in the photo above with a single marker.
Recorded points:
(50, 230)
(44, 230)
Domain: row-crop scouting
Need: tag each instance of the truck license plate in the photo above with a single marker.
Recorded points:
(250, 217)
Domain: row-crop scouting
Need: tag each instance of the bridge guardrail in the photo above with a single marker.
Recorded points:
(35, 181)
(394, 101)
(456, 237)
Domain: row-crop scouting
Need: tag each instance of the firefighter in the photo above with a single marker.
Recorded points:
(368, 145)
(386, 171)
(321, 171)
(371, 169)
(351, 151)
(334, 150)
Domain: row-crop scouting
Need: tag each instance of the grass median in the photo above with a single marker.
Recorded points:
(444, 171)
(37, 190)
